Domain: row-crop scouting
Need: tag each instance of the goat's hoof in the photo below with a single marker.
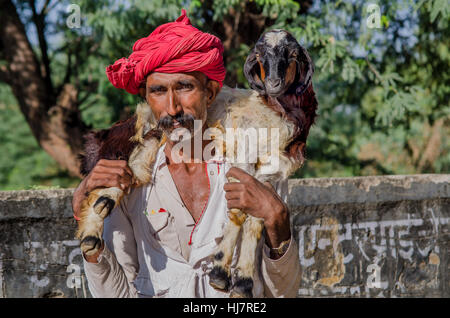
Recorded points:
(103, 206)
(90, 245)
(242, 288)
(219, 278)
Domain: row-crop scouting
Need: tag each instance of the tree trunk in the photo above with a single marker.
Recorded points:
(55, 121)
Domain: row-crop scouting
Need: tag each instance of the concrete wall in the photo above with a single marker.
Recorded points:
(358, 237)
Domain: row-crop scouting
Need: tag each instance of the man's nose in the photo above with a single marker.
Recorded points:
(173, 106)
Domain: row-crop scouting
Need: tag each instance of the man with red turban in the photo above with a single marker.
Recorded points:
(159, 239)
(174, 47)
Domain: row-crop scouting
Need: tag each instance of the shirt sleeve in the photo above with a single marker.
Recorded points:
(114, 273)
(282, 276)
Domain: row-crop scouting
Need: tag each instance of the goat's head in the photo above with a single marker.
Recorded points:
(278, 63)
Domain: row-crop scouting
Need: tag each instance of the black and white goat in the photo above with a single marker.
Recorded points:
(279, 71)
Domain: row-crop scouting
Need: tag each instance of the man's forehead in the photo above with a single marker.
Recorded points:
(169, 77)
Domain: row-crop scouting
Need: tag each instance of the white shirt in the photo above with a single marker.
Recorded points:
(147, 251)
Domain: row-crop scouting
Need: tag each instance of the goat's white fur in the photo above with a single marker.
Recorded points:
(240, 108)
(273, 38)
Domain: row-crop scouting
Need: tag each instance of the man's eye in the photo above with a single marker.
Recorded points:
(186, 86)
(157, 90)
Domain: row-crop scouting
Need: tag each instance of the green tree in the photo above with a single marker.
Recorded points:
(386, 107)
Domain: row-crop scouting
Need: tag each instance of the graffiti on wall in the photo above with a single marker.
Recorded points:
(356, 258)
(58, 253)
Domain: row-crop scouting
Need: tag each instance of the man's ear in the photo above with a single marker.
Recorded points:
(142, 91)
(213, 88)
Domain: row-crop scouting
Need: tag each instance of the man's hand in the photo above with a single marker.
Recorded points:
(259, 200)
(105, 174)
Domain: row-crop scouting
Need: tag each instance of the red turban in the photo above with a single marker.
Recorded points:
(175, 47)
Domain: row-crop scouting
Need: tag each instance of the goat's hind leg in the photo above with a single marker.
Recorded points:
(220, 275)
(245, 269)
(94, 209)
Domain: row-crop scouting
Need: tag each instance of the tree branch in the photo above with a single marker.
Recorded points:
(373, 70)
(39, 22)
(68, 72)
(377, 75)
(44, 8)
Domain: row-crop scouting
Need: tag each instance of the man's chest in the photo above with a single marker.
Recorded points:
(193, 187)
(169, 220)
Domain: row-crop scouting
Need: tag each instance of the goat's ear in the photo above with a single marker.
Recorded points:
(252, 73)
(305, 70)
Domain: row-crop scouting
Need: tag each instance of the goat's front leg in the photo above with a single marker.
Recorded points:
(245, 269)
(94, 209)
(220, 275)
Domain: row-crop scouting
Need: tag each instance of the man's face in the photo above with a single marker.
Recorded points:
(178, 99)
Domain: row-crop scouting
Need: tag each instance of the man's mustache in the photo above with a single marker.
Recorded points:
(185, 120)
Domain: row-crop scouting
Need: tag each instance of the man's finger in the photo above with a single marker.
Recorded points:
(99, 183)
(110, 163)
(128, 169)
(119, 164)
(234, 204)
(234, 195)
(114, 171)
(107, 182)
(239, 174)
(233, 186)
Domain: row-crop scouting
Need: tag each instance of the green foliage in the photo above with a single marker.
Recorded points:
(383, 93)
(23, 164)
